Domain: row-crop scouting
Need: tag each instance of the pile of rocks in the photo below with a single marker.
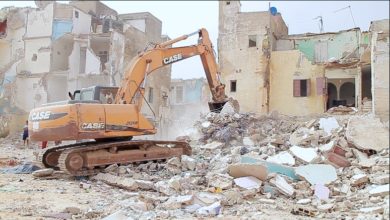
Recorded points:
(247, 165)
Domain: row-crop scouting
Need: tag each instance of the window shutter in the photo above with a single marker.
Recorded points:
(297, 88)
(307, 87)
(321, 86)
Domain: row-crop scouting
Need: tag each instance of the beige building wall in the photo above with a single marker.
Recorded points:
(380, 68)
(285, 67)
(247, 65)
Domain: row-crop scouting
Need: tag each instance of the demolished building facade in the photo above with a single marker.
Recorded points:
(56, 48)
(268, 70)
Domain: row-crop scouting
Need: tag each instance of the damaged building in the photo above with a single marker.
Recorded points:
(268, 70)
(56, 48)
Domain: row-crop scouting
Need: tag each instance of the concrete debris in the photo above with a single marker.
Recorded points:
(282, 185)
(317, 173)
(248, 182)
(211, 210)
(222, 181)
(308, 155)
(241, 163)
(359, 179)
(43, 172)
(362, 130)
(188, 163)
(328, 124)
(282, 158)
(382, 191)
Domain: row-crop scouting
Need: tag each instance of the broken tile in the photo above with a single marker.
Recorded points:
(248, 182)
(321, 191)
(327, 147)
(211, 210)
(337, 160)
(304, 201)
(282, 158)
(328, 124)
(283, 186)
(317, 173)
(308, 155)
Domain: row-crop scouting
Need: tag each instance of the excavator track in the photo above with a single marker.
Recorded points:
(85, 159)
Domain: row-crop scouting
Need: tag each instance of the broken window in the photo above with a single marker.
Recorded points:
(252, 40)
(76, 14)
(103, 55)
(233, 85)
(34, 57)
(150, 96)
(301, 87)
(179, 94)
(83, 57)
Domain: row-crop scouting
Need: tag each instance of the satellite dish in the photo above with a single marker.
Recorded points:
(273, 10)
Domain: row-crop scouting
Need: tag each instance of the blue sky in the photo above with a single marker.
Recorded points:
(182, 17)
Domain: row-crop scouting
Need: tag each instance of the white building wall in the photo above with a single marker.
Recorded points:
(82, 24)
(40, 22)
(30, 93)
(92, 63)
(39, 48)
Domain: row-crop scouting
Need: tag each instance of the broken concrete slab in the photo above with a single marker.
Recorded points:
(212, 146)
(43, 172)
(177, 202)
(282, 185)
(363, 159)
(118, 215)
(248, 182)
(271, 167)
(304, 201)
(382, 191)
(211, 210)
(359, 179)
(328, 124)
(222, 181)
(247, 141)
(307, 155)
(317, 173)
(300, 136)
(380, 179)
(372, 210)
(121, 182)
(321, 191)
(327, 147)
(206, 198)
(244, 169)
(367, 133)
(188, 163)
(282, 158)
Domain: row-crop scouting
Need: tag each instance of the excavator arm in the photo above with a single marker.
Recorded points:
(161, 55)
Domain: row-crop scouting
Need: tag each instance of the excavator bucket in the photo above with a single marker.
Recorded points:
(218, 106)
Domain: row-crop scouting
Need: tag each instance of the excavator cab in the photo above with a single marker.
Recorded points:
(99, 94)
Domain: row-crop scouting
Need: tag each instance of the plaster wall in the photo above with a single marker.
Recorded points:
(285, 66)
(40, 22)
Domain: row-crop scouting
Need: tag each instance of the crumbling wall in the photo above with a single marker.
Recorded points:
(37, 56)
(248, 66)
(285, 66)
(81, 22)
(116, 58)
(30, 92)
(61, 50)
(380, 68)
(40, 22)
(96, 8)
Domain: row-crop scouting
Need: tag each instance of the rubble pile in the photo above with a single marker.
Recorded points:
(249, 167)
(243, 164)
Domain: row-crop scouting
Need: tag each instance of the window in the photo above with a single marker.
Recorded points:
(227, 3)
(76, 14)
(34, 57)
(252, 40)
(103, 55)
(233, 85)
(150, 96)
(301, 87)
(179, 94)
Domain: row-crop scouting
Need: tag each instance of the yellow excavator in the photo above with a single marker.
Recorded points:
(111, 116)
